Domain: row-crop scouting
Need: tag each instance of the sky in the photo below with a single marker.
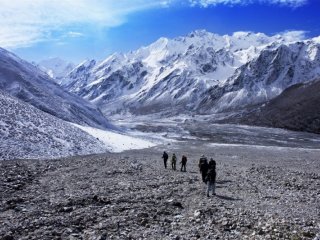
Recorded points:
(75, 30)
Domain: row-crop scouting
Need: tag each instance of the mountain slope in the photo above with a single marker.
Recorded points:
(201, 72)
(26, 82)
(27, 132)
(297, 108)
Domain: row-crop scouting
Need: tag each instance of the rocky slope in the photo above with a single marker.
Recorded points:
(26, 82)
(297, 108)
(26, 132)
(272, 193)
(202, 72)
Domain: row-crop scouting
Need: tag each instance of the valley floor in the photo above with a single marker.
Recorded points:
(263, 192)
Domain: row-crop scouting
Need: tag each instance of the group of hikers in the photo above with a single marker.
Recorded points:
(183, 162)
(207, 169)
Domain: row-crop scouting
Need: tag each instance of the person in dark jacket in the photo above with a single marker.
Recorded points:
(203, 167)
(211, 177)
(183, 163)
(165, 157)
(173, 162)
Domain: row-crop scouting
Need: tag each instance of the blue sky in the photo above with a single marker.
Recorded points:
(80, 29)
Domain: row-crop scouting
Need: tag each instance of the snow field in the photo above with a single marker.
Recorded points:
(117, 142)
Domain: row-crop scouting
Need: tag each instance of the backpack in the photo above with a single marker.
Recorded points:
(184, 159)
(211, 175)
(203, 165)
(174, 158)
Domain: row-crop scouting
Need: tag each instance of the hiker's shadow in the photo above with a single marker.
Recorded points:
(224, 181)
(228, 198)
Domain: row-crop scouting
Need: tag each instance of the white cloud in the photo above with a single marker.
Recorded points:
(75, 34)
(292, 36)
(207, 3)
(24, 22)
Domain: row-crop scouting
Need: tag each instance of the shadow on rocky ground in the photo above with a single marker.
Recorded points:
(228, 198)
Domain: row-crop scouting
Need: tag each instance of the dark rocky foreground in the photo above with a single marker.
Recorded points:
(262, 193)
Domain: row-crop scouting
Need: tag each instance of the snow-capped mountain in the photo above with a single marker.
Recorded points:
(195, 72)
(56, 68)
(78, 77)
(26, 82)
(27, 132)
(266, 76)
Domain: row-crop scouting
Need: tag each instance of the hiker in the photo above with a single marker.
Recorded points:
(203, 167)
(165, 157)
(173, 161)
(211, 177)
(183, 163)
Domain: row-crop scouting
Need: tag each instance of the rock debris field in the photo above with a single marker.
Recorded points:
(262, 193)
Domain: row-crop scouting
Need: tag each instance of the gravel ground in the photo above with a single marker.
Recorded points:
(262, 193)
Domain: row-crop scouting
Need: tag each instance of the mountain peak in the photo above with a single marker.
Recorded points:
(55, 67)
(199, 33)
(160, 44)
(88, 63)
(242, 34)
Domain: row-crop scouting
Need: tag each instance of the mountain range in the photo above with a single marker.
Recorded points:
(200, 73)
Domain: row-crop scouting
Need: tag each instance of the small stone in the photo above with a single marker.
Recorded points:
(197, 213)
(144, 222)
(142, 215)
(67, 209)
(177, 204)
(260, 232)
(224, 223)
